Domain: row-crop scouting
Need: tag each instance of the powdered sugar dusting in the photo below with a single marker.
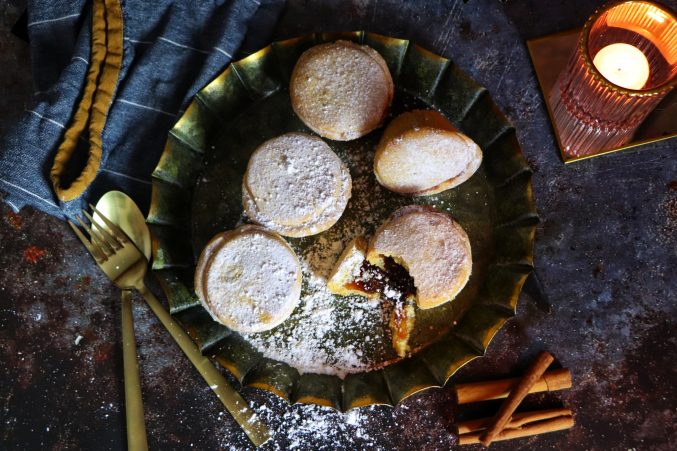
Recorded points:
(328, 334)
(305, 423)
(348, 266)
(429, 159)
(434, 248)
(341, 90)
(376, 427)
(253, 282)
(338, 335)
(296, 185)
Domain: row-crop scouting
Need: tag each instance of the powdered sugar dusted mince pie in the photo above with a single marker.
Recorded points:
(431, 246)
(248, 279)
(422, 153)
(295, 185)
(341, 90)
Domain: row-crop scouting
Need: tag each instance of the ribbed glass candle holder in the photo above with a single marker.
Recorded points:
(623, 66)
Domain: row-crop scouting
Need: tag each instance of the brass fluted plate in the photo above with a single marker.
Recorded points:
(196, 193)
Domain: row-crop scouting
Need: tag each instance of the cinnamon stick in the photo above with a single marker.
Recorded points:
(516, 421)
(483, 391)
(537, 428)
(517, 394)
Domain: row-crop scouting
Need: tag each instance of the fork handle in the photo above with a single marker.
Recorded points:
(257, 432)
(136, 428)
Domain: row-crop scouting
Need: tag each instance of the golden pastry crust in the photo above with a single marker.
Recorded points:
(401, 324)
(431, 246)
(341, 90)
(248, 279)
(205, 256)
(347, 270)
(295, 185)
(421, 153)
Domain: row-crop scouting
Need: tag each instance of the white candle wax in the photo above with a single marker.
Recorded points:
(624, 65)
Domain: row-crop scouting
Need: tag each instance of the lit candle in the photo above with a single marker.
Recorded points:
(623, 65)
(609, 87)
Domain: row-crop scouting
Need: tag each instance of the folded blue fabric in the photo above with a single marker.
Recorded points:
(171, 50)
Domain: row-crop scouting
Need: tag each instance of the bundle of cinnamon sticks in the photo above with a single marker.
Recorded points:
(506, 424)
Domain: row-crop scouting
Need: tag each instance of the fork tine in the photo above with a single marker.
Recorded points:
(93, 250)
(107, 237)
(96, 239)
(115, 230)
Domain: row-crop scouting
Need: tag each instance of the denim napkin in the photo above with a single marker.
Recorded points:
(171, 48)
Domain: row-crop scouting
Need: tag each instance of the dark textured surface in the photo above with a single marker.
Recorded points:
(605, 252)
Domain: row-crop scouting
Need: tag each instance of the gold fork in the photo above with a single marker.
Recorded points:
(126, 266)
(102, 247)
